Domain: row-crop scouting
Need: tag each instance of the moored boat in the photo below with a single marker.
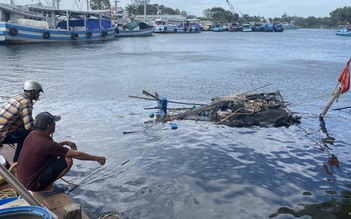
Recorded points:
(344, 30)
(161, 26)
(134, 29)
(269, 27)
(177, 26)
(217, 28)
(247, 27)
(257, 27)
(278, 27)
(39, 24)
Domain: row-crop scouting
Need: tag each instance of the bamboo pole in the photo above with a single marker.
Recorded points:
(331, 101)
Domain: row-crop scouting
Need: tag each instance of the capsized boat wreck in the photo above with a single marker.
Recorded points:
(242, 110)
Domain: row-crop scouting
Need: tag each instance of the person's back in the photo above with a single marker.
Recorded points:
(15, 115)
(16, 119)
(38, 151)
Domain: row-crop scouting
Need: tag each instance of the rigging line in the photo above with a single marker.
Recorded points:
(99, 168)
(305, 101)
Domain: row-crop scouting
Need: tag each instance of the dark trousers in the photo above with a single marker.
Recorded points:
(18, 138)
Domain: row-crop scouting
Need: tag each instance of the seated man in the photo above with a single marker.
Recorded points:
(16, 119)
(42, 161)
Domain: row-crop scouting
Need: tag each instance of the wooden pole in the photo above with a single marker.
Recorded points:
(336, 95)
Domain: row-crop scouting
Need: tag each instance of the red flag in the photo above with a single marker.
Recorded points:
(344, 78)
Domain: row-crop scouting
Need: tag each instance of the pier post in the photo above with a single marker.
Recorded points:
(335, 95)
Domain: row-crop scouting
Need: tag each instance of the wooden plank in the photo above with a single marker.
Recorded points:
(59, 204)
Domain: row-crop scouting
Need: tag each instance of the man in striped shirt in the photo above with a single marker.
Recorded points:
(16, 119)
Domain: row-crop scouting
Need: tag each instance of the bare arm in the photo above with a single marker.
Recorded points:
(84, 156)
(69, 143)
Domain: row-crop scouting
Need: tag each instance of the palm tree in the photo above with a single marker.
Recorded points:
(130, 8)
(100, 4)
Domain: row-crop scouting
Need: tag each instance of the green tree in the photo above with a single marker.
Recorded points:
(100, 4)
(207, 14)
(131, 10)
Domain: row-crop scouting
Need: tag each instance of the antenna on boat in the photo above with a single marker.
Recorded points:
(144, 10)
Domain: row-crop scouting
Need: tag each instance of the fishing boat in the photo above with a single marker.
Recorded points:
(134, 29)
(177, 26)
(278, 27)
(247, 27)
(344, 30)
(258, 27)
(217, 28)
(269, 27)
(40, 24)
(188, 26)
(161, 26)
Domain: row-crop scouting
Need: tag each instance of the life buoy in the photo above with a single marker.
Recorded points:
(13, 31)
(104, 33)
(74, 36)
(89, 35)
(46, 35)
(117, 30)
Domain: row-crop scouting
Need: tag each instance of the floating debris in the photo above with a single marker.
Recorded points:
(243, 110)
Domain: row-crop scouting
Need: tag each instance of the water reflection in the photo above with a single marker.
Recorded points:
(332, 159)
(339, 207)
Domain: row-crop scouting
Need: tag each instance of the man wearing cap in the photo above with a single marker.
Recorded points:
(16, 119)
(42, 161)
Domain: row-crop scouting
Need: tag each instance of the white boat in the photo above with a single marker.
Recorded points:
(40, 24)
(162, 26)
(247, 27)
(177, 26)
(134, 29)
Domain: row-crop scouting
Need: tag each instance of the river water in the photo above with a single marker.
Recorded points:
(200, 170)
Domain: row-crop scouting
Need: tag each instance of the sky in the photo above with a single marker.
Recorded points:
(265, 8)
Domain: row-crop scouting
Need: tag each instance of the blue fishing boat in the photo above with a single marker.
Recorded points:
(257, 27)
(278, 27)
(344, 30)
(269, 27)
(39, 24)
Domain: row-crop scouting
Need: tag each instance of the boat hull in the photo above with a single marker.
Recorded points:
(343, 32)
(176, 29)
(135, 33)
(12, 33)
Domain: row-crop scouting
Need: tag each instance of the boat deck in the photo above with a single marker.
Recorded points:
(61, 205)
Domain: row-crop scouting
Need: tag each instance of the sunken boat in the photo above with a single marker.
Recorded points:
(241, 110)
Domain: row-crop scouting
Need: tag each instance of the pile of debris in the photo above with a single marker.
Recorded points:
(243, 110)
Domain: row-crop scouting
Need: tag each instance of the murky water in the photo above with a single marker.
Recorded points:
(199, 170)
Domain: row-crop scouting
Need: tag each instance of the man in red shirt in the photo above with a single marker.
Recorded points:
(42, 161)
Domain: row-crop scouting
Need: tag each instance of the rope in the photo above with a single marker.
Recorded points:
(7, 193)
(316, 97)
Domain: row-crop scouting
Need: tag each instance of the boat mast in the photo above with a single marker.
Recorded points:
(144, 10)
(56, 4)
